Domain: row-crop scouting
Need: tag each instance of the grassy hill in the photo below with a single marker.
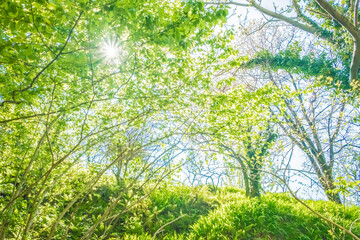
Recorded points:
(228, 214)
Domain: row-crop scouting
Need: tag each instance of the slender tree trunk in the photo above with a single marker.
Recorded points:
(327, 182)
(334, 197)
(325, 175)
(255, 183)
(244, 170)
(3, 228)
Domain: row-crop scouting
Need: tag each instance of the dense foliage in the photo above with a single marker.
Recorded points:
(229, 214)
(104, 105)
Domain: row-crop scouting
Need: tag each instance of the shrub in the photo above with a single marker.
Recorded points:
(274, 216)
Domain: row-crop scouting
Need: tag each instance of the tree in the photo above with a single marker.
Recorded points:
(315, 118)
(335, 23)
(74, 76)
(253, 160)
(236, 123)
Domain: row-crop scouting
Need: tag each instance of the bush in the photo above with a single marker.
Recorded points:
(169, 202)
(274, 216)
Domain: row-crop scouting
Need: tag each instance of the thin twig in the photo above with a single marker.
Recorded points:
(163, 226)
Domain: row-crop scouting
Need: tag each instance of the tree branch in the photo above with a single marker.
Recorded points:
(46, 67)
(352, 29)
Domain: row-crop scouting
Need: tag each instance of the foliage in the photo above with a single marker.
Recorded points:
(237, 123)
(333, 23)
(67, 105)
(169, 202)
(98, 99)
(274, 216)
(308, 66)
(290, 79)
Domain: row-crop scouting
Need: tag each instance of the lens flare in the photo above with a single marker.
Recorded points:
(110, 51)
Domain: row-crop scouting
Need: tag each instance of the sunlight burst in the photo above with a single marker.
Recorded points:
(110, 51)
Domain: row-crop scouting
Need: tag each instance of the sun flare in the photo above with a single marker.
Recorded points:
(110, 51)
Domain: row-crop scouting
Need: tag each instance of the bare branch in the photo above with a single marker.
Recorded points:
(356, 13)
(163, 226)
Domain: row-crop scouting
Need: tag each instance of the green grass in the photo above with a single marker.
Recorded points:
(228, 214)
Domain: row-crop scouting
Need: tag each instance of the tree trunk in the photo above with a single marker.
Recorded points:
(254, 183)
(244, 170)
(327, 182)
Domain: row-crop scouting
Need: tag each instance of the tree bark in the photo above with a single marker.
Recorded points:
(255, 183)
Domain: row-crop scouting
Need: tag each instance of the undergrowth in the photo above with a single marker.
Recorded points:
(228, 214)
